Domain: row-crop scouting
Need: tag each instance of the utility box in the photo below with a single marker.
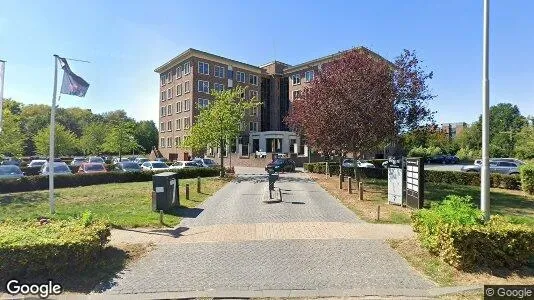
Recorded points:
(165, 191)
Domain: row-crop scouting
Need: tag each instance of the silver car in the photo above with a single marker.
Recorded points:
(501, 167)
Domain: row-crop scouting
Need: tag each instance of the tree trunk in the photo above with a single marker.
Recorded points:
(222, 157)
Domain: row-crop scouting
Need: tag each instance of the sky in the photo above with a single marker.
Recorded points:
(126, 40)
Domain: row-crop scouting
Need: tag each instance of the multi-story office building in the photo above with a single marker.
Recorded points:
(187, 79)
(453, 129)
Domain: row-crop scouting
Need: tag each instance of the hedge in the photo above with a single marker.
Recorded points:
(527, 178)
(40, 182)
(454, 230)
(511, 182)
(32, 249)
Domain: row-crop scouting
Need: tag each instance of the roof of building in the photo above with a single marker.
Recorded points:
(191, 52)
(275, 62)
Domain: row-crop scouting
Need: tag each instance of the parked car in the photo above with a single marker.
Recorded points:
(95, 159)
(437, 159)
(154, 166)
(11, 161)
(89, 168)
(260, 153)
(77, 161)
(517, 161)
(117, 160)
(452, 159)
(37, 163)
(162, 159)
(501, 167)
(140, 160)
(205, 162)
(128, 166)
(349, 163)
(184, 165)
(10, 172)
(60, 168)
(281, 165)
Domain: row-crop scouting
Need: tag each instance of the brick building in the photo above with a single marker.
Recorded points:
(187, 79)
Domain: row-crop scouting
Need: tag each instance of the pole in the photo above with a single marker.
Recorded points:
(2, 75)
(52, 142)
(485, 176)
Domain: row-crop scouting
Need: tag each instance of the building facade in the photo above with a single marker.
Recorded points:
(453, 129)
(185, 84)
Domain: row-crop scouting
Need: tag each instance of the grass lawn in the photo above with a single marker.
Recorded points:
(124, 205)
(515, 205)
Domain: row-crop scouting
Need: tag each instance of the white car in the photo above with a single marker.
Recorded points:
(37, 163)
(141, 160)
(349, 163)
(183, 165)
(60, 168)
(152, 166)
(205, 162)
(96, 160)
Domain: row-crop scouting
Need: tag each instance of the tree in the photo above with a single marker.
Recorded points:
(356, 96)
(66, 142)
(11, 138)
(93, 138)
(219, 121)
(146, 134)
(120, 138)
(525, 143)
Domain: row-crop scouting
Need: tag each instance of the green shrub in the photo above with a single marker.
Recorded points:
(424, 152)
(465, 154)
(40, 182)
(454, 230)
(29, 249)
(527, 178)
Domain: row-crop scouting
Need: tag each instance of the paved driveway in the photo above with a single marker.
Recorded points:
(243, 262)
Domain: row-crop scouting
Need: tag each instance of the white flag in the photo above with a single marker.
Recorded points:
(2, 70)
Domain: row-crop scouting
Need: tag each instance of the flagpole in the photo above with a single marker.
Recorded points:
(52, 141)
(2, 75)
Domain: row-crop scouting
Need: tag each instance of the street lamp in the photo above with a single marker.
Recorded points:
(485, 175)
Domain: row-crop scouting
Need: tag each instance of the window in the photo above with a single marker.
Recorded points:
(219, 72)
(187, 105)
(162, 111)
(162, 127)
(240, 76)
(253, 126)
(163, 78)
(179, 90)
(203, 86)
(203, 102)
(187, 87)
(218, 86)
(253, 79)
(309, 75)
(163, 94)
(169, 95)
(177, 141)
(255, 111)
(169, 125)
(169, 142)
(178, 72)
(242, 95)
(296, 79)
(162, 143)
(187, 122)
(296, 94)
(230, 74)
(169, 109)
(169, 77)
(253, 95)
(178, 124)
(203, 68)
(178, 107)
(187, 68)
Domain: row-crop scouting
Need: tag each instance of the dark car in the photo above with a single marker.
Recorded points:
(11, 161)
(128, 166)
(281, 165)
(452, 159)
(438, 159)
(10, 172)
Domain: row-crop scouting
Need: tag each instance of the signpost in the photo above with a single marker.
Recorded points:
(395, 182)
(414, 182)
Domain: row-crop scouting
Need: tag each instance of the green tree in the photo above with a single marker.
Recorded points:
(219, 121)
(121, 138)
(93, 138)
(66, 142)
(146, 134)
(525, 143)
(11, 138)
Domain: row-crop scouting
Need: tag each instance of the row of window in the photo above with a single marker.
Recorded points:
(169, 93)
(177, 142)
(204, 69)
(167, 112)
(178, 126)
(308, 75)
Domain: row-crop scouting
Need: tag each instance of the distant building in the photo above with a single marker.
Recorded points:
(453, 129)
(187, 79)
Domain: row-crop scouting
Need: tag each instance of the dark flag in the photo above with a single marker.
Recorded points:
(72, 83)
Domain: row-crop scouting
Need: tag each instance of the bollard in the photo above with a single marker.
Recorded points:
(326, 170)
(350, 185)
(187, 191)
(340, 182)
(198, 184)
(280, 192)
(378, 213)
(161, 217)
(360, 190)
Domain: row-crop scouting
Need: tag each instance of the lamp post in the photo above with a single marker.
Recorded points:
(485, 175)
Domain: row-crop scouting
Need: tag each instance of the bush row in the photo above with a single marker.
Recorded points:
(40, 182)
(511, 182)
(454, 230)
(527, 178)
(32, 249)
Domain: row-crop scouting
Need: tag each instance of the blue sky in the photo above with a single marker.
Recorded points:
(126, 40)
